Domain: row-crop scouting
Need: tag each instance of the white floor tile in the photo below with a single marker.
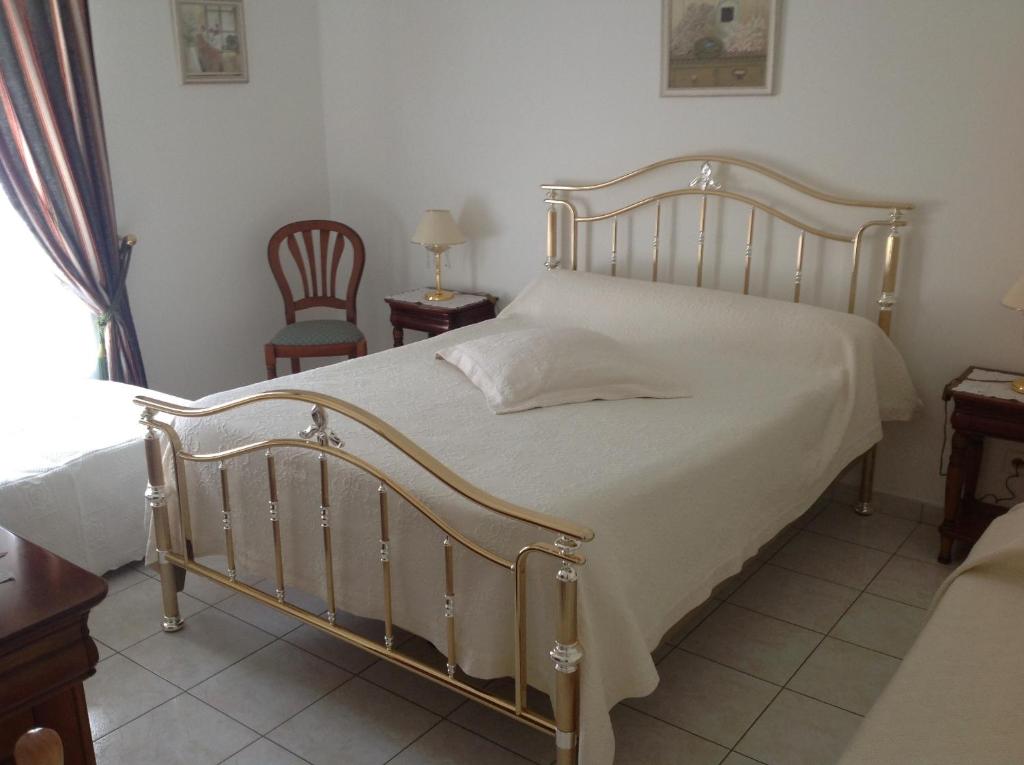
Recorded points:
(122, 578)
(267, 687)
(901, 507)
(807, 601)
(134, 613)
(533, 745)
(691, 621)
(735, 758)
(264, 752)
(753, 643)
(796, 730)
(184, 731)
(909, 581)
(882, 625)
(933, 515)
(209, 642)
(881, 532)
(831, 559)
(726, 588)
(104, 650)
(448, 744)
(642, 740)
(922, 545)
(120, 691)
(705, 698)
(259, 615)
(845, 675)
(412, 687)
(369, 725)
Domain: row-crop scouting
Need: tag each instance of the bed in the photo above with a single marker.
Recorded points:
(387, 489)
(71, 487)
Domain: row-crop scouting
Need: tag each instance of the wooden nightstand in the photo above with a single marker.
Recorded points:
(984, 405)
(410, 310)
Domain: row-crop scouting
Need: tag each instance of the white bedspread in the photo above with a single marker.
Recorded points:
(72, 471)
(679, 492)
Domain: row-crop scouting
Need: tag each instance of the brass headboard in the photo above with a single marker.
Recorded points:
(703, 186)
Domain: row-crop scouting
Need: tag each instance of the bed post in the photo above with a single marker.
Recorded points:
(156, 496)
(567, 655)
(886, 301)
(552, 259)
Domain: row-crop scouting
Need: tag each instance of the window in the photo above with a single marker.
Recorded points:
(49, 333)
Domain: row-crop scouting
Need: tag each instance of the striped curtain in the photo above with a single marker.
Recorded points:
(53, 164)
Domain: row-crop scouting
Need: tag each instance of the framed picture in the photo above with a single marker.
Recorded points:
(717, 47)
(210, 39)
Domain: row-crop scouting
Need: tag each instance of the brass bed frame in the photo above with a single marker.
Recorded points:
(174, 560)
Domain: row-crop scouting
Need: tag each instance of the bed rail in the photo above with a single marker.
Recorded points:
(705, 186)
(318, 438)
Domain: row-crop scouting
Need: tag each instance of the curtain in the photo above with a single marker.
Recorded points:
(53, 164)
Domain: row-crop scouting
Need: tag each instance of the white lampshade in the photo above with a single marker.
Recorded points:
(438, 227)
(1015, 297)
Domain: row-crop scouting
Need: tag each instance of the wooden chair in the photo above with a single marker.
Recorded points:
(316, 263)
(39, 746)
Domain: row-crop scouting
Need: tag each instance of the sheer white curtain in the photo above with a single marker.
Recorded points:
(47, 332)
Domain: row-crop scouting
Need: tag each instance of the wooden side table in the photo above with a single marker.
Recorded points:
(984, 405)
(45, 649)
(411, 310)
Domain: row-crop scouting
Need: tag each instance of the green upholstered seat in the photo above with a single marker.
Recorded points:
(318, 332)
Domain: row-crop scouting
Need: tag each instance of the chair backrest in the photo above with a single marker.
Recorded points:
(316, 248)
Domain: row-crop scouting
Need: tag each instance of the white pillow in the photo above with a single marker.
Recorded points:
(531, 368)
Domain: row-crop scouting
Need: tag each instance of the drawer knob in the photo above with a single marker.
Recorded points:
(739, 74)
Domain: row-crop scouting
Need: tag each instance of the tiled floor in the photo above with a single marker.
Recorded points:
(777, 668)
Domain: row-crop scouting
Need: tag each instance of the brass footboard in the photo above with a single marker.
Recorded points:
(567, 653)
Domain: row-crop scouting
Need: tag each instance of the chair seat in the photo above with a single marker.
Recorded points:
(318, 332)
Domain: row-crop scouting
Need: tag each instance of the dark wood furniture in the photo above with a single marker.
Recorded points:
(974, 418)
(316, 249)
(45, 649)
(434, 318)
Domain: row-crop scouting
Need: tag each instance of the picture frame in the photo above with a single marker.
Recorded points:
(718, 47)
(209, 37)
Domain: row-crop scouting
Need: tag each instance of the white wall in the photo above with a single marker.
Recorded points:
(203, 174)
(470, 105)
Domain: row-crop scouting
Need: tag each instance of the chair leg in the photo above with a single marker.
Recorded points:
(271, 360)
(295, 365)
(360, 349)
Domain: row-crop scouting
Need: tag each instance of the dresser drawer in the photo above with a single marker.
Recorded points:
(739, 75)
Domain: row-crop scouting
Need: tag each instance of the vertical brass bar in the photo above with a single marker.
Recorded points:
(855, 271)
(567, 655)
(867, 483)
(520, 635)
(156, 497)
(272, 503)
(325, 526)
(700, 239)
(798, 274)
(657, 232)
(615, 243)
(449, 604)
(229, 539)
(552, 261)
(892, 264)
(573, 235)
(385, 563)
(747, 254)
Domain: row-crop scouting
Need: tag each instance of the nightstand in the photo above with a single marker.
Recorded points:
(411, 310)
(984, 405)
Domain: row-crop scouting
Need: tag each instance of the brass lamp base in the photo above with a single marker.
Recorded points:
(1018, 385)
(439, 295)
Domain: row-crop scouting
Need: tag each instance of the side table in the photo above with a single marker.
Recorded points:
(411, 310)
(984, 406)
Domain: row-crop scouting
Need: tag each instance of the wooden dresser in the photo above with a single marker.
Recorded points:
(45, 649)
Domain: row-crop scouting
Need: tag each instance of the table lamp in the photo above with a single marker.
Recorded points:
(1015, 299)
(437, 232)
